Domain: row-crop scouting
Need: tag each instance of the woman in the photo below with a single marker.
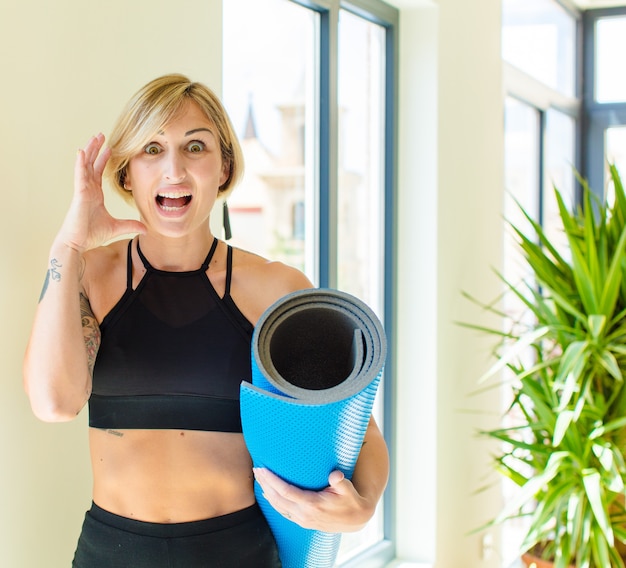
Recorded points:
(154, 334)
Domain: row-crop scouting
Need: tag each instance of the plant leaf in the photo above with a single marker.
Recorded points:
(603, 429)
(563, 421)
(596, 323)
(609, 362)
(532, 486)
(592, 484)
(514, 351)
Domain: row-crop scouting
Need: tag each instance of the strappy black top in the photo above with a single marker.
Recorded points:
(172, 354)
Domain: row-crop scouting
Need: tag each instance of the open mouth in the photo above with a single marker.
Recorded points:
(173, 201)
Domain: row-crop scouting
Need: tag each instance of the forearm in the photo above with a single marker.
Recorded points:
(372, 468)
(56, 371)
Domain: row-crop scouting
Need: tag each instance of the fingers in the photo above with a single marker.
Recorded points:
(127, 227)
(335, 479)
(281, 495)
(90, 163)
(101, 162)
(93, 147)
(334, 509)
(276, 488)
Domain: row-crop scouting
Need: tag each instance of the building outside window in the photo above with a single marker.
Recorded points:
(270, 91)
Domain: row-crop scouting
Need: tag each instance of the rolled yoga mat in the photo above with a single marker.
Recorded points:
(317, 360)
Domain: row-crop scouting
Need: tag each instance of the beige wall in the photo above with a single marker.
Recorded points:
(470, 191)
(66, 69)
(449, 238)
(68, 66)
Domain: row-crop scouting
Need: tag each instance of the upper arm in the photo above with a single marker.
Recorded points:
(91, 331)
(89, 322)
(259, 283)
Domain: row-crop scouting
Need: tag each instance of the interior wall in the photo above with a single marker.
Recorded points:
(469, 244)
(67, 68)
(450, 229)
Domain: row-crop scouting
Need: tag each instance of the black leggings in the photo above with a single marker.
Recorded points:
(238, 540)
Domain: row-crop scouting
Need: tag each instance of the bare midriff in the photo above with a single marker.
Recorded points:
(170, 476)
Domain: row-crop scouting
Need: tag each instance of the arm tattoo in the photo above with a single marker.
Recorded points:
(51, 274)
(91, 331)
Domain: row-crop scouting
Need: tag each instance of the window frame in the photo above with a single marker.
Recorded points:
(528, 90)
(388, 17)
(597, 117)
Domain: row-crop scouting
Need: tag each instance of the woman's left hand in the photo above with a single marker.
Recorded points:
(337, 508)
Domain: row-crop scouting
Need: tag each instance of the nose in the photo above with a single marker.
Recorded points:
(174, 168)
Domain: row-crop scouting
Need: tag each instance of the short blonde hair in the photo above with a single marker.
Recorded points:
(151, 108)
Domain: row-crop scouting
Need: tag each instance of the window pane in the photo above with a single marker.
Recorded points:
(521, 160)
(609, 55)
(270, 92)
(559, 163)
(361, 190)
(539, 37)
(361, 159)
(521, 155)
(521, 169)
(615, 144)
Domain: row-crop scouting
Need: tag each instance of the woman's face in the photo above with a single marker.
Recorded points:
(176, 177)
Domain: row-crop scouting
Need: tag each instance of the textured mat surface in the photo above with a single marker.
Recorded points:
(317, 359)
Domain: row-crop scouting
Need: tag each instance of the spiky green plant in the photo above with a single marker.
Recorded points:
(566, 450)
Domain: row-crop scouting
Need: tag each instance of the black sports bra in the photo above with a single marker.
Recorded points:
(172, 354)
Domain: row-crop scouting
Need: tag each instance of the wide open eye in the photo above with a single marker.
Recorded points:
(152, 149)
(195, 146)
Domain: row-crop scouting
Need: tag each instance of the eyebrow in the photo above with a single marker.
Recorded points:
(161, 132)
(198, 130)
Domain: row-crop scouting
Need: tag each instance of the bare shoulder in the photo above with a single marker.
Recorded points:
(104, 276)
(258, 283)
(102, 260)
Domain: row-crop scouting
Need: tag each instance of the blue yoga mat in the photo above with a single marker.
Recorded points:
(317, 360)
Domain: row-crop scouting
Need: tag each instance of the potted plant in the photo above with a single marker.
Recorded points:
(565, 442)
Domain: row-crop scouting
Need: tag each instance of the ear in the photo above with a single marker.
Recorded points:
(123, 179)
(226, 173)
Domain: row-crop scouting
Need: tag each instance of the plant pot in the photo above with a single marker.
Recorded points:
(532, 561)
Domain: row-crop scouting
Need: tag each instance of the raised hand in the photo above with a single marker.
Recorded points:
(88, 224)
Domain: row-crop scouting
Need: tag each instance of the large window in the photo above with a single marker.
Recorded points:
(539, 47)
(310, 88)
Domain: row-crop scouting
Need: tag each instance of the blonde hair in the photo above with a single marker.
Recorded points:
(151, 108)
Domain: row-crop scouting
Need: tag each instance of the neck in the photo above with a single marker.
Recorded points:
(176, 253)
